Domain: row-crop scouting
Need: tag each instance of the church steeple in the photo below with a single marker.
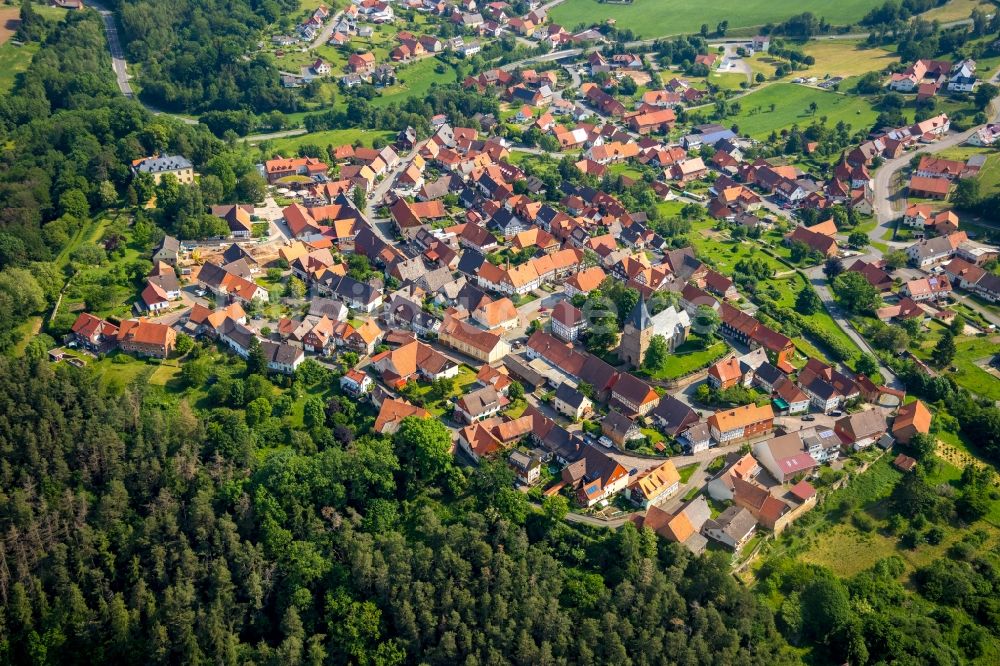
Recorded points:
(639, 317)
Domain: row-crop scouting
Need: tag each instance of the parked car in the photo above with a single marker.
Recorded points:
(836, 412)
(808, 417)
(606, 441)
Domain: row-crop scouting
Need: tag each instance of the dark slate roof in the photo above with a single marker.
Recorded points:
(639, 317)
(470, 262)
(674, 414)
(768, 373)
(568, 394)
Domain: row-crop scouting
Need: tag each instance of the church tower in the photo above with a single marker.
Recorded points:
(636, 335)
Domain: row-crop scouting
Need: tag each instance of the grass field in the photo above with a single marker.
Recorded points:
(415, 80)
(14, 60)
(989, 175)
(727, 80)
(791, 107)
(845, 58)
(654, 18)
(290, 145)
(971, 351)
(689, 358)
(956, 9)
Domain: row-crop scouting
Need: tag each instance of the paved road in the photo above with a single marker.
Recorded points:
(117, 53)
(120, 66)
(324, 35)
(257, 138)
(383, 228)
(818, 281)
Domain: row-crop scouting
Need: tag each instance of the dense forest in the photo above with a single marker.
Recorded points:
(193, 54)
(137, 530)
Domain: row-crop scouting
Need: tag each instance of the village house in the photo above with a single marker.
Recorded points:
(633, 396)
(741, 423)
(861, 429)
(654, 485)
(732, 528)
(912, 419)
(595, 476)
(159, 166)
(481, 345)
(762, 505)
(145, 338)
(527, 467)
(569, 402)
(356, 383)
(683, 527)
(392, 412)
(746, 467)
(619, 428)
(94, 333)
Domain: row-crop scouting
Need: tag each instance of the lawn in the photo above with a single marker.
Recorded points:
(970, 352)
(989, 175)
(791, 106)
(14, 60)
(290, 145)
(687, 472)
(690, 357)
(845, 58)
(625, 169)
(415, 80)
(727, 80)
(119, 370)
(655, 18)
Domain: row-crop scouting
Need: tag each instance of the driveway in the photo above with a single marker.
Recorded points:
(271, 212)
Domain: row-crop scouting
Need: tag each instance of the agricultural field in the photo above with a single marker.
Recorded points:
(656, 18)
(782, 105)
(290, 145)
(845, 58)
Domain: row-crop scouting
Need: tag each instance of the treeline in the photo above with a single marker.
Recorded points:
(893, 11)
(136, 530)
(194, 54)
(917, 38)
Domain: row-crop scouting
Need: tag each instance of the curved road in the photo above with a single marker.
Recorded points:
(885, 176)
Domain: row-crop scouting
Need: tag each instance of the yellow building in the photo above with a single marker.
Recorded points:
(157, 167)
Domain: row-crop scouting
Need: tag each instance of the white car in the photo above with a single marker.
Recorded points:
(606, 441)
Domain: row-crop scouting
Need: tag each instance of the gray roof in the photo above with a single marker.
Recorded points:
(479, 401)
(163, 164)
(567, 393)
(169, 244)
(735, 522)
(281, 353)
(639, 317)
(697, 512)
(618, 423)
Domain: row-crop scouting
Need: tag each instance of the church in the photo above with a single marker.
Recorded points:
(640, 327)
